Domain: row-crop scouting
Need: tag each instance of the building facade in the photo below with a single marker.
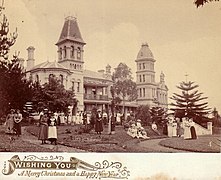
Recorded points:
(93, 88)
(149, 91)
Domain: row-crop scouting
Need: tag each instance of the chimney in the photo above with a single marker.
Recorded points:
(30, 60)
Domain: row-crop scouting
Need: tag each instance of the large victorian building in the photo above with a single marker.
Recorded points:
(93, 88)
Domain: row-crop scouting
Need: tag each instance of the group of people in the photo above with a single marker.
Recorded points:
(181, 128)
(48, 129)
(13, 122)
(136, 130)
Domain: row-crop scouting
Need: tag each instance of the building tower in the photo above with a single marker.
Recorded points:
(145, 75)
(70, 55)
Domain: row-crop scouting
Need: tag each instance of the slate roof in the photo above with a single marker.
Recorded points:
(49, 65)
(70, 31)
(93, 74)
(145, 52)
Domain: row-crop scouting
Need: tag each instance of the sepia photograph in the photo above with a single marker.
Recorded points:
(112, 79)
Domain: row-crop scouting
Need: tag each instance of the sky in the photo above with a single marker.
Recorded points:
(183, 39)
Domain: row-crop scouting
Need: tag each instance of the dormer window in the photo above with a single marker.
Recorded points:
(78, 53)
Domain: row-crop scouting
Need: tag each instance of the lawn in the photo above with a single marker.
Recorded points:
(9, 143)
(92, 142)
(207, 143)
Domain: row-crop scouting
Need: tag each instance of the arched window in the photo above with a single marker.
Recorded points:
(72, 51)
(65, 52)
(50, 77)
(140, 78)
(78, 53)
(37, 78)
(61, 78)
(60, 53)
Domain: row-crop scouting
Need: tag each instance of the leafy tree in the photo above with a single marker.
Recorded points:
(123, 86)
(158, 114)
(143, 113)
(53, 96)
(14, 88)
(202, 2)
(189, 102)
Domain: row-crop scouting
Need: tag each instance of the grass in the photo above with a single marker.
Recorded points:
(205, 144)
(17, 144)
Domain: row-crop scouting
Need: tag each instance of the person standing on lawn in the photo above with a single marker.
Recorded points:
(17, 122)
(192, 129)
(43, 131)
(186, 125)
(179, 127)
(98, 122)
(52, 129)
(10, 122)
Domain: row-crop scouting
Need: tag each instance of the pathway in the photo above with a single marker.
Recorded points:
(57, 148)
(152, 145)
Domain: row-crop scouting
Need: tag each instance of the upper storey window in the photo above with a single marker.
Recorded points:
(72, 51)
(78, 53)
(60, 53)
(65, 51)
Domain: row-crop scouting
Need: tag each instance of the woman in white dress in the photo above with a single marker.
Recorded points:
(186, 126)
(170, 126)
(10, 122)
(52, 130)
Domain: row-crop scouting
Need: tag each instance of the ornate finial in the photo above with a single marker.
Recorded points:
(145, 44)
(70, 18)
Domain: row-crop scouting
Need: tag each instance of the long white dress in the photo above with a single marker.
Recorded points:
(52, 129)
(174, 129)
(170, 128)
(187, 133)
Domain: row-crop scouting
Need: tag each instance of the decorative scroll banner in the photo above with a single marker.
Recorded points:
(99, 170)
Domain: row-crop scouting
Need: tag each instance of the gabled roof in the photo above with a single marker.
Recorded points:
(70, 31)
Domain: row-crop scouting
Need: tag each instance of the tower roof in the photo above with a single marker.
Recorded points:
(70, 31)
(145, 52)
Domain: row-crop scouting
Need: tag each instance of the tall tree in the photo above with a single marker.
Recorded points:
(143, 113)
(53, 96)
(124, 87)
(158, 114)
(189, 102)
(202, 2)
(14, 88)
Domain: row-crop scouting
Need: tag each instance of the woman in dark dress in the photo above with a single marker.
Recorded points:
(43, 131)
(192, 129)
(98, 123)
